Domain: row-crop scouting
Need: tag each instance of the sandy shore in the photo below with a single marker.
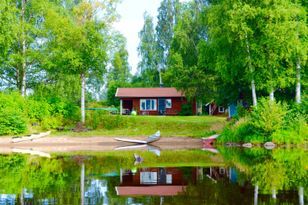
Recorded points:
(73, 144)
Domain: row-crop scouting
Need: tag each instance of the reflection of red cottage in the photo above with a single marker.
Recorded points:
(152, 101)
(154, 182)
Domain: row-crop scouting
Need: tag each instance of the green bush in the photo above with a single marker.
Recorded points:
(52, 122)
(186, 110)
(103, 120)
(240, 131)
(37, 110)
(69, 110)
(12, 122)
(268, 116)
(12, 114)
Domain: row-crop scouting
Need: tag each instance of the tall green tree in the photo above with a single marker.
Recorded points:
(253, 42)
(147, 67)
(120, 69)
(230, 26)
(119, 72)
(77, 41)
(8, 27)
(280, 28)
(23, 57)
(188, 65)
(167, 18)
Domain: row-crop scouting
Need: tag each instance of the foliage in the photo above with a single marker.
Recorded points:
(270, 121)
(13, 118)
(188, 62)
(103, 120)
(168, 14)
(186, 110)
(147, 67)
(37, 110)
(268, 116)
(241, 131)
(52, 122)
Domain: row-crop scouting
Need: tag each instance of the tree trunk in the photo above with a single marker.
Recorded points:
(253, 85)
(160, 79)
(298, 83)
(301, 195)
(82, 179)
(24, 65)
(274, 194)
(272, 98)
(254, 94)
(83, 89)
(255, 199)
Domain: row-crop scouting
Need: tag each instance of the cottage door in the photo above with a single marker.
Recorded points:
(161, 106)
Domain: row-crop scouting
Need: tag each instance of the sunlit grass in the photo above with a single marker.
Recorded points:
(170, 126)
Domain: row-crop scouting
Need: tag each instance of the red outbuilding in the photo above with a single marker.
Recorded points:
(153, 101)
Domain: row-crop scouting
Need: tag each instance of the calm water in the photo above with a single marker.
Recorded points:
(232, 176)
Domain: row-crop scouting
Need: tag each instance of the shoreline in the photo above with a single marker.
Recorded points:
(70, 144)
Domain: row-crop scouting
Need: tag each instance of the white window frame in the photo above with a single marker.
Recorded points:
(148, 178)
(221, 109)
(167, 103)
(152, 102)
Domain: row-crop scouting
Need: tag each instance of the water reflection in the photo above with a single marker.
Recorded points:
(236, 176)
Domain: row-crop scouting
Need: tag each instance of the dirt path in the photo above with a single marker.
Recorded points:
(72, 144)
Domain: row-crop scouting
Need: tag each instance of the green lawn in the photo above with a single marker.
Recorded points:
(170, 126)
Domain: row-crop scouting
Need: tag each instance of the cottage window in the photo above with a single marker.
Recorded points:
(148, 177)
(221, 109)
(168, 103)
(148, 104)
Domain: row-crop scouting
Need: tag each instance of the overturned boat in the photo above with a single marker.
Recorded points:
(150, 139)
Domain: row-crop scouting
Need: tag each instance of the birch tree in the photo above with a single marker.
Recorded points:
(230, 26)
(26, 19)
(78, 41)
(147, 67)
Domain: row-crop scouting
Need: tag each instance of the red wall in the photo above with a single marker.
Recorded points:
(174, 110)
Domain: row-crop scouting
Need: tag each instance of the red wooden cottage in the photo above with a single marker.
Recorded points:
(152, 101)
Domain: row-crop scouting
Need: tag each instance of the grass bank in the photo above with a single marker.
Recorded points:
(272, 121)
(170, 126)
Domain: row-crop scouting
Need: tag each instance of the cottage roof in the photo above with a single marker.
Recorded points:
(148, 92)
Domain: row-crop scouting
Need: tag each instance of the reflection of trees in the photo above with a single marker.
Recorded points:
(209, 192)
(279, 169)
(45, 177)
(59, 178)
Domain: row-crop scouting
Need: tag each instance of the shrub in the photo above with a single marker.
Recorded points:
(52, 122)
(240, 131)
(69, 110)
(186, 110)
(12, 115)
(241, 111)
(12, 122)
(102, 119)
(37, 110)
(268, 116)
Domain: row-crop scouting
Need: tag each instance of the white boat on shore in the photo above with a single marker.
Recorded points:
(149, 140)
(30, 137)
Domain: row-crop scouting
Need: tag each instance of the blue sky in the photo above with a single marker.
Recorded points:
(131, 22)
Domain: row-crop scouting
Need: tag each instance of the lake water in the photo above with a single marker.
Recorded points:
(231, 176)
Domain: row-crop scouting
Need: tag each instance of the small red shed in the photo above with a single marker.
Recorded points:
(152, 101)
